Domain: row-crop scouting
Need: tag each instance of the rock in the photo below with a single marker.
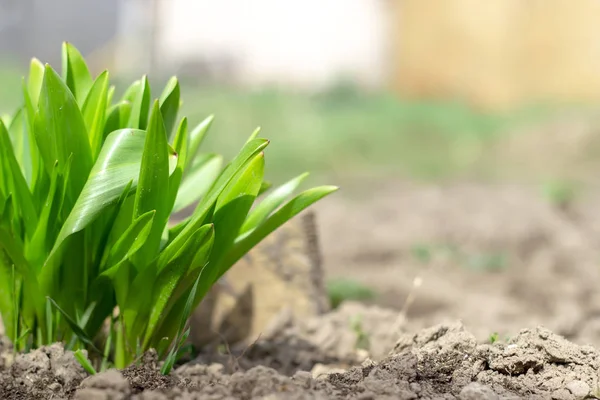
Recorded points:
(579, 389)
(287, 265)
(477, 391)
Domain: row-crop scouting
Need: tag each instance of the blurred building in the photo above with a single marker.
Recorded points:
(493, 53)
(303, 43)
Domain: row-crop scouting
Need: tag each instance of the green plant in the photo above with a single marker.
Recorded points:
(561, 193)
(340, 290)
(87, 185)
(363, 340)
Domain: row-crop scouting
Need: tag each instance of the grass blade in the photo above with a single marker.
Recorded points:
(77, 330)
(84, 361)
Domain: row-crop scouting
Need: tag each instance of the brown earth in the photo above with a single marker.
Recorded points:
(501, 259)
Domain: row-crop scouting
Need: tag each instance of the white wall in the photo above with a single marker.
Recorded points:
(308, 42)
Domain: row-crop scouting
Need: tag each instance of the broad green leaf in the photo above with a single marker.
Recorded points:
(117, 117)
(117, 166)
(94, 110)
(60, 132)
(37, 166)
(132, 239)
(245, 243)
(132, 91)
(271, 203)
(34, 83)
(198, 245)
(181, 147)
(169, 104)
(140, 106)
(128, 244)
(17, 185)
(232, 207)
(208, 202)
(197, 135)
(40, 245)
(198, 180)
(153, 185)
(75, 72)
(19, 136)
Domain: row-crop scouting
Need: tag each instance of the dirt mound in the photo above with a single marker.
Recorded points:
(441, 362)
(497, 257)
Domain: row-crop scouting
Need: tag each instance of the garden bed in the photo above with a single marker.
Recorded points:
(442, 362)
(548, 278)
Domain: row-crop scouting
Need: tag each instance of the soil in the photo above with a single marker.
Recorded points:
(456, 268)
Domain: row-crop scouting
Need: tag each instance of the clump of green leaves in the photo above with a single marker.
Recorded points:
(87, 185)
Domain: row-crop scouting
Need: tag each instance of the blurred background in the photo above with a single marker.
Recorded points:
(485, 113)
(422, 88)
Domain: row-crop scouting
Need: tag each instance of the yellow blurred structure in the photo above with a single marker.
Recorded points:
(498, 53)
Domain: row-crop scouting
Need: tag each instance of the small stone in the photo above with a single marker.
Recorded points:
(54, 386)
(579, 389)
(477, 391)
(415, 387)
(92, 394)
(111, 379)
(304, 378)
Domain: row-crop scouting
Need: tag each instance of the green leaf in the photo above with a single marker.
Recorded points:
(117, 117)
(34, 83)
(254, 134)
(17, 185)
(77, 330)
(118, 165)
(198, 180)
(181, 147)
(187, 312)
(264, 187)
(230, 212)
(169, 104)
(132, 91)
(75, 72)
(171, 276)
(85, 363)
(60, 132)
(19, 136)
(94, 110)
(246, 242)
(197, 136)
(131, 240)
(40, 245)
(140, 106)
(271, 203)
(37, 167)
(153, 185)
(110, 95)
(208, 202)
